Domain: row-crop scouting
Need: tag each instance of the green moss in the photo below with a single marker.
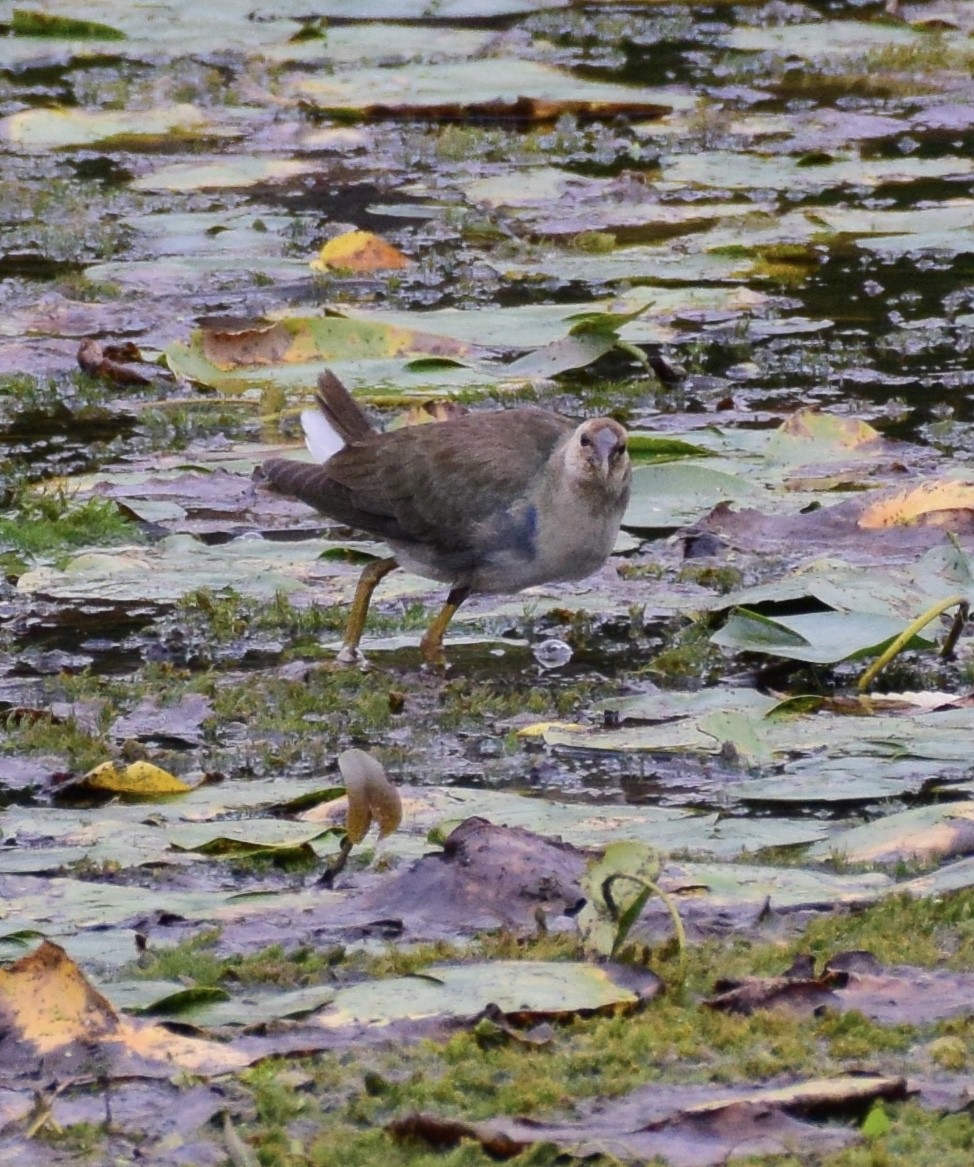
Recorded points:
(594, 242)
(45, 522)
(852, 1036)
(902, 929)
(48, 735)
(721, 579)
(192, 960)
(226, 615)
(80, 1137)
(690, 656)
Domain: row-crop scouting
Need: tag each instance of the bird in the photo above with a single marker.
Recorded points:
(489, 501)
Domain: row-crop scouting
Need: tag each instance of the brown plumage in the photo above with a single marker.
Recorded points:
(487, 502)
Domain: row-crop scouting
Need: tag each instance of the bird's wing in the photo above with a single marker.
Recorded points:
(431, 484)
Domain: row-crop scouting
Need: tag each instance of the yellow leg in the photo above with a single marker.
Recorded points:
(373, 572)
(431, 646)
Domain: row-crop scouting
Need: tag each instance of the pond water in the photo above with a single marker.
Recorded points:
(775, 199)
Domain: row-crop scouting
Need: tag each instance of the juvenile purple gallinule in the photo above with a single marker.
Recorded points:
(485, 502)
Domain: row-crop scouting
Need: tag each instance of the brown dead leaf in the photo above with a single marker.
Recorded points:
(855, 980)
(108, 363)
(686, 1126)
(801, 994)
(229, 344)
(359, 251)
(523, 110)
(487, 876)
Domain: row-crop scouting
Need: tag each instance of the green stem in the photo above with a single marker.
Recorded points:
(905, 637)
(655, 889)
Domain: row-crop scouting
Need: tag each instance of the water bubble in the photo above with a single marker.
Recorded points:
(552, 654)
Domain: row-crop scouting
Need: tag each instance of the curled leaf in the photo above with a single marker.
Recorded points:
(370, 795)
(138, 780)
(359, 251)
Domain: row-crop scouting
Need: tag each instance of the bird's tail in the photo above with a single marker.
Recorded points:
(338, 420)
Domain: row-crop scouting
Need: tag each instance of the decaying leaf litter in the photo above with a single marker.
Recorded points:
(744, 231)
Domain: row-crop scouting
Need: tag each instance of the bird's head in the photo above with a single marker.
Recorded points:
(597, 456)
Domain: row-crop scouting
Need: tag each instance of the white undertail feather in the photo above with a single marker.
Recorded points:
(320, 436)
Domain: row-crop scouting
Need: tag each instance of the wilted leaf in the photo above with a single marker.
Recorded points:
(478, 87)
(52, 1016)
(359, 251)
(486, 877)
(137, 780)
(694, 1126)
(295, 341)
(937, 502)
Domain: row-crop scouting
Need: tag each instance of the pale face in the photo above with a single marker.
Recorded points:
(597, 456)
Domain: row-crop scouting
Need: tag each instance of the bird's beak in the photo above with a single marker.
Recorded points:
(604, 446)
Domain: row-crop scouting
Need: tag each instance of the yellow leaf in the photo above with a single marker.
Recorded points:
(429, 411)
(47, 1005)
(920, 504)
(48, 1002)
(540, 728)
(140, 779)
(810, 424)
(359, 251)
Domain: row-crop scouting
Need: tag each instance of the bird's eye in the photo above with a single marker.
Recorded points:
(585, 440)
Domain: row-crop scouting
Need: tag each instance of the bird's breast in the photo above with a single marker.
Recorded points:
(547, 543)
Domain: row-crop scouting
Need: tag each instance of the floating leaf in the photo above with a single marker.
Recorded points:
(28, 22)
(933, 502)
(816, 637)
(54, 128)
(451, 90)
(137, 780)
(242, 357)
(50, 1012)
(359, 251)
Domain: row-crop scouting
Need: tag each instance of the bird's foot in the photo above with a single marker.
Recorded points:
(349, 654)
(434, 658)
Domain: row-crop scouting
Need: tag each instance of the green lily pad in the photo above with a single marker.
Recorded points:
(816, 637)
(483, 86)
(46, 129)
